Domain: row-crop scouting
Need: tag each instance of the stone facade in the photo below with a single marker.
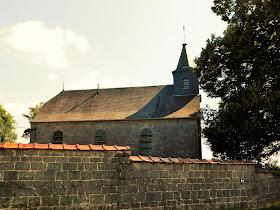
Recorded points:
(168, 134)
(65, 179)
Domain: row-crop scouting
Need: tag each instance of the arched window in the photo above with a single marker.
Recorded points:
(186, 84)
(146, 142)
(100, 137)
(57, 137)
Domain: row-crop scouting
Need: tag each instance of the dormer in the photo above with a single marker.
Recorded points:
(184, 80)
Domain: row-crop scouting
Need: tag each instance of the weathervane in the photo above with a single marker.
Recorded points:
(63, 86)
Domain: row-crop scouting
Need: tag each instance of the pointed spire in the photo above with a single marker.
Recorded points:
(183, 61)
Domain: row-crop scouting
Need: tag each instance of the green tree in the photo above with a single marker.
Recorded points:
(7, 126)
(33, 111)
(242, 68)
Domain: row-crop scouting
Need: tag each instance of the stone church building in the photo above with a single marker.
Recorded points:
(153, 121)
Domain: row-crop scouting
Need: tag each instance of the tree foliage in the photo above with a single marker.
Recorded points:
(242, 69)
(33, 111)
(7, 126)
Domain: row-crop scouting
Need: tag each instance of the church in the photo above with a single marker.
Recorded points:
(153, 120)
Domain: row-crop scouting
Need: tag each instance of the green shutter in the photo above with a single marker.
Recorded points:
(146, 142)
(100, 137)
(57, 137)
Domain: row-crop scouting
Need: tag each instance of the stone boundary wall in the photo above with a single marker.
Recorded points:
(107, 177)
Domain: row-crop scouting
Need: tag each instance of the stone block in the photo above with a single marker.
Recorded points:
(61, 175)
(196, 186)
(32, 159)
(69, 166)
(93, 189)
(132, 189)
(97, 199)
(194, 167)
(219, 193)
(95, 160)
(75, 159)
(153, 196)
(38, 166)
(19, 203)
(208, 166)
(126, 198)
(194, 173)
(203, 194)
(8, 152)
(91, 166)
(61, 159)
(10, 175)
(34, 202)
(44, 153)
(66, 200)
(50, 200)
(74, 175)
(226, 193)
(111, 198)
(173, 174)
(49, 159)
(163, 174)
(221, 174)
(22, 165)
(86, 175)
(108, 189)
(45, 175)
(59, 190)
(26, 175)
(6, 166)
(54, 166)
(81, 166)
(5, 158)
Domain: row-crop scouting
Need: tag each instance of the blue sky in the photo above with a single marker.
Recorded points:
(116, 43)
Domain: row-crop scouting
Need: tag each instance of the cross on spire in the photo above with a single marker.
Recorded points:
(184, 34)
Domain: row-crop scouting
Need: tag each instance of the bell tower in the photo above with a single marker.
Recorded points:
(184, 80)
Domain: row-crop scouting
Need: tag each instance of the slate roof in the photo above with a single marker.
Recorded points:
(149, 102)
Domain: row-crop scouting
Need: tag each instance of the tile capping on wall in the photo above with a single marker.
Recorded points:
(89, 147)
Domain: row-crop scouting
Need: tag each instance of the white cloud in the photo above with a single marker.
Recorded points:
(93, 78)
(34, 42)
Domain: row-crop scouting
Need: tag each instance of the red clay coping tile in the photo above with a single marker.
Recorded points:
(150, 159)
(64, 146)
(138, 158)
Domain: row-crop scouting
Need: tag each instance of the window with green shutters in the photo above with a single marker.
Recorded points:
(146, 142)
(57, 137)
(100, 137)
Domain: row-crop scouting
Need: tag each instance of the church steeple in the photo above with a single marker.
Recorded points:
(185, 81)
(183, 61)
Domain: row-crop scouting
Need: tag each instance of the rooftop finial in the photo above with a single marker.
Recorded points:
(63, 86)
(184, 35)
(97, 88)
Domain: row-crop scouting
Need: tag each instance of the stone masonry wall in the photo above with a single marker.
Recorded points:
(171, 137)
(111, 179)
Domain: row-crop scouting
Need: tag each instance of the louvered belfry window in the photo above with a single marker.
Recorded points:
(100, 137)
(57, 137)
(186, 84)
(146, 142)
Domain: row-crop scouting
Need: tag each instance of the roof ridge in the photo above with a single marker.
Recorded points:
(115, 88)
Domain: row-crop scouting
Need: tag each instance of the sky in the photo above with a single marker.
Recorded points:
(113, 43)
